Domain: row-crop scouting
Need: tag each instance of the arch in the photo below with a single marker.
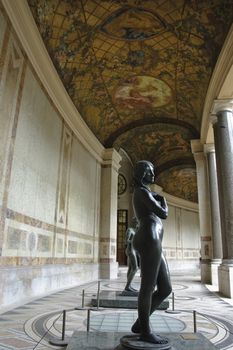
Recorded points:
(146, 121)
(220, 87)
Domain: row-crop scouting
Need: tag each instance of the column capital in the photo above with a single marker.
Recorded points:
(196, 146)
(111, 157)
(219, 106)
(209, 148)
(197, 150)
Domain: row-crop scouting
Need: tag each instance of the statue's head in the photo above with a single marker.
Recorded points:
(143, 173)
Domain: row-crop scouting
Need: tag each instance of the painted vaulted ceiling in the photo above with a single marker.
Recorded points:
(138, 72)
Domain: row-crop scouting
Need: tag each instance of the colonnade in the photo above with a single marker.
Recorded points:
(214, 163)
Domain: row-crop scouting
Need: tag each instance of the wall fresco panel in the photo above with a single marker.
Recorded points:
(190, 229)
(12, 67)
(36, 155)
(170, 230)
(181, 234)
(82, 196)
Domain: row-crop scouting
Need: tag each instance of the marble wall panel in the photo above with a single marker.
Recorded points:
(60, 245)
(25, 240)
(17, 284)
(96, 250)
(83, 194)
(34, 170)
(190, 230)
(12, 62)
(79, 247)
(170, 229)
(181, 234)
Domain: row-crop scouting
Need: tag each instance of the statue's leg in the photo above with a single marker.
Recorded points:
(131, 271)
(163, 290)
(150, 264)
(164, 287)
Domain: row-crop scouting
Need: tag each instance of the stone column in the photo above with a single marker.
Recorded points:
(222, 119)
(204, 210)
(215, 214)
(108, 214)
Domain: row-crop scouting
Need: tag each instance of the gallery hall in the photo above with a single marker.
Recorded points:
(92, 90)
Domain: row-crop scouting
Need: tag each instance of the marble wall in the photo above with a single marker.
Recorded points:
(182, 238)
(49, 187)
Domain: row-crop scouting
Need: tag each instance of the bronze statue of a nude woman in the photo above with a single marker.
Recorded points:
(149, 208)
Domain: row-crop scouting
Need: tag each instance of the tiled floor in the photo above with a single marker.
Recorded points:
(33, 324)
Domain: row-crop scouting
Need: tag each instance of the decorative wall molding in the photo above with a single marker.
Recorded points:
(175, 201)
(180, 203)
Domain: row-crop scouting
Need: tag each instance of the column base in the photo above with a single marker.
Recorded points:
(109, 270)
(225, 278)
(206, 272)
(214, 265)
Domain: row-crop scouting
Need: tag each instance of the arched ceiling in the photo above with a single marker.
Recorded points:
(138, 72)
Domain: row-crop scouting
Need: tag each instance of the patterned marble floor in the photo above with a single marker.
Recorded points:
(31, 325)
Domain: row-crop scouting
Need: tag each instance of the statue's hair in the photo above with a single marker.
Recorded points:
(140, 171)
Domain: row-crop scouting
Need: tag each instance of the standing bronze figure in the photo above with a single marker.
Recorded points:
(132, 261)
(149, 209)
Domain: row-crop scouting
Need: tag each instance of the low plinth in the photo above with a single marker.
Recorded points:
(134, 342)
(117, 300)
(111, 341)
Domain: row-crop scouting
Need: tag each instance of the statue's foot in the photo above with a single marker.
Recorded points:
(153, 338)
(136, 327)
(130, 289)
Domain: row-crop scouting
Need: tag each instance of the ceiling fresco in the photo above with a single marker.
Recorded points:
(138, 72)
(184, 182)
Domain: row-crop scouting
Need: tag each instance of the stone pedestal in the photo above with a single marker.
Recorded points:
(225, 279)
(111, 341)
(205, 268)
(214, 265)
(117, 300)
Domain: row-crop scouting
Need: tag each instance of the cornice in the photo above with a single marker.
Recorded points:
(111, 158)
(180, 203)
(196, 146)
(175, 201)
(24, 25)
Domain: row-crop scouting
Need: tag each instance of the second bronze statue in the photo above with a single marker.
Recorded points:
(132, 259)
